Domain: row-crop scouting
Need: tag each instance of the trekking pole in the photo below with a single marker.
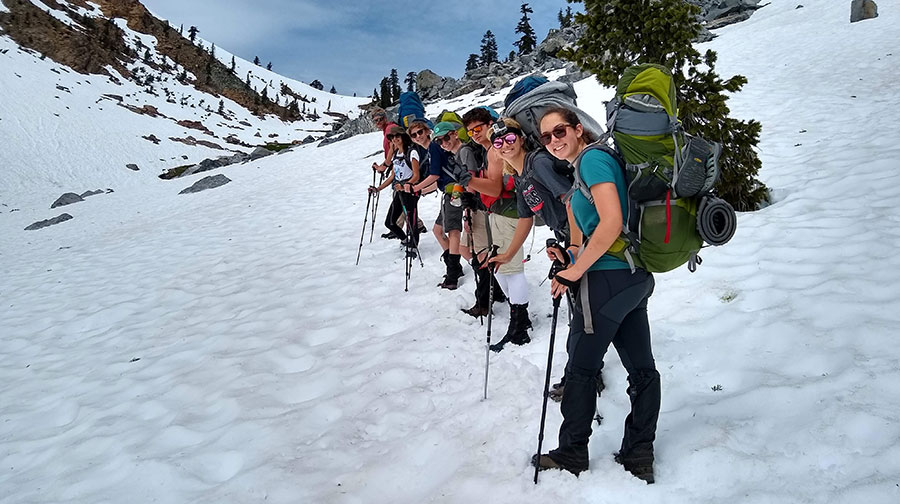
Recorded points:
(363, 234)
(409, 234)
(375, 210)
(487, 348)
(555, 268)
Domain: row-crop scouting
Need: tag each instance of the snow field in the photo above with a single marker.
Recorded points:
(223, 347)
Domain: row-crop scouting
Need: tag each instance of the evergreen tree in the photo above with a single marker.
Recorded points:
(212, 51)
(565, 19)
(333, 91)
(269, 66)
(395, 86)
(192, 33)
(232, 64)
(256, 60)
(386, 97)
(181, 29)
(318, 85)
(375, 97)
(410, 81)
(147, 56)
(622, 33)
(221, 107)
(527, 41)
(511, 56)
(472, 62)
(488, 49)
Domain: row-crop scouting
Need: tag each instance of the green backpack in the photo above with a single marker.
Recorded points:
(668, 172)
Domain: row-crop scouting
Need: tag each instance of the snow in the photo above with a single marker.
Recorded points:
(223, 347)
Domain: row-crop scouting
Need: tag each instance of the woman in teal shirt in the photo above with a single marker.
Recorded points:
(614, 296)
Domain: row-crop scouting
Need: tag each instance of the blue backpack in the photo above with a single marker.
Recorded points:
(411, 107)
(521, 88)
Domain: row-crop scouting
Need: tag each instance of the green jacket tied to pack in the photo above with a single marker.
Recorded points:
(670, 176)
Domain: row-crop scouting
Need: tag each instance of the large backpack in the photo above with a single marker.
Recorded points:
(523, 87)
(449, 116)
(411, 107)
(527, 109)
(670, 174)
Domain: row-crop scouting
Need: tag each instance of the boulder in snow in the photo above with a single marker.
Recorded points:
(863, 9)
(49, 222)
(207, 183)
(132, 167)
(66, 199)
(260, 152)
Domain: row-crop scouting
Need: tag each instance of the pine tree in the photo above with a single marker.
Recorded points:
(147, 56)
(375, 97)
(410, 81)
(333, 91)
(565, 19)
(395, 86)
(386, 97)
(221, 107)
(511, 56)
(318, 85)
(256, 60)
(527, 41)
(269, 66)
(488, 49)
(622, 33)
(192, 33)
(233, 64)
(212, 51)
(472, 62)
(181, 29)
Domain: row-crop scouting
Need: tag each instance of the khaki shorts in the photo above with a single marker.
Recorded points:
(502, 231)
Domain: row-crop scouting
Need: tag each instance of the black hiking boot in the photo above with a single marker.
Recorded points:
(454, 271)
(546, 462)
(519, 323)
(476, 310)
(390, 235)
(639, 467)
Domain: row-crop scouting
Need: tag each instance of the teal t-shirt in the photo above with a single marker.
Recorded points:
(597, 167)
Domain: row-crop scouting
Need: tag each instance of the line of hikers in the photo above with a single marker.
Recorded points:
(622, 201)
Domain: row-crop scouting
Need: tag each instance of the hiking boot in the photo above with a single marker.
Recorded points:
(454, 271)
(519, 323)
(390, 235)
(476, 311)
(409, 242)
(639, 467)
(411, 253)
(545, 462)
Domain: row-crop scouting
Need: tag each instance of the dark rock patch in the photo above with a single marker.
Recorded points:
(132, 167)
(205, 183)
(66, 199)
(49, 222)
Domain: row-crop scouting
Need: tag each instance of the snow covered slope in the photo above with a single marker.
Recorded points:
(65, 131)
(223, 347)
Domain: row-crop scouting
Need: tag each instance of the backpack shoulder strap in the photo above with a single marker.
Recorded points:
(578, 184)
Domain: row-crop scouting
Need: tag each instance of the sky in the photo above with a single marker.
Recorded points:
(353, 45)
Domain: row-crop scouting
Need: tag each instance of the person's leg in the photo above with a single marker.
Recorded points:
(612, 296)
(512, 276)
(395, 212)
(453, 227)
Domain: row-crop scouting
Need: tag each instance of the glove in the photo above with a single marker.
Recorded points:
(470, 200)
(464, 178)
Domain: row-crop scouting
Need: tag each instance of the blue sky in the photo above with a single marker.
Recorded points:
(352, 45)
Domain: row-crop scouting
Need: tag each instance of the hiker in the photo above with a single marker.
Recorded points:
(379, 117)
(404, 172)
(611, 307)
(449, 221)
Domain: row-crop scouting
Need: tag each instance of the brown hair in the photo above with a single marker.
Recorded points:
(570, 117)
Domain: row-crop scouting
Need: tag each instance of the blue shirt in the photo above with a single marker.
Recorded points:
(597, 167)
(439, 158)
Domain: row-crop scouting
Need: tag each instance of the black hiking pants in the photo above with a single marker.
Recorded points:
(400, 201)
(618, 304)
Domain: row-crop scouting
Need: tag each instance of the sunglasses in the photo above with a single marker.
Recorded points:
(415, 134)
(476, 129)
(558, 132)
(446, 138)
(509, 138)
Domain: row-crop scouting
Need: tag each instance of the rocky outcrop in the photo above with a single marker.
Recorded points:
(862, 9)
(49, 222)
(207, 183)
(66, 199)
